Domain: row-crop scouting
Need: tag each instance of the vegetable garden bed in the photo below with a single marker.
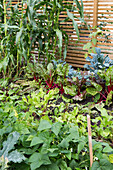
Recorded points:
(44, 105)
(43, 115)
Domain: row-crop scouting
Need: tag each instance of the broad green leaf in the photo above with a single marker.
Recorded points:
(68, 155)
(80, 146)
(73, 164)
(34, 157)
(63, 165)
(111, 158)
(52, 166)
(97, 86)
(38, 159)
(69, 91)
(94, 40)
(50, 68)
(87, 46)
(18, 35)
(35, 165)
(35, 141)
(103, 164)
(91, 91)
(44, 124)
(74, 134)
(64, 143)
(59, 34)
(75, 25)
(107, 149)
(56, 127)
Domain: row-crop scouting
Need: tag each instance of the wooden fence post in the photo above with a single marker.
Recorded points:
(95, 13)
(90, 140)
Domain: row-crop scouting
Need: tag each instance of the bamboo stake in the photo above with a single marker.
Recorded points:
(90, 140)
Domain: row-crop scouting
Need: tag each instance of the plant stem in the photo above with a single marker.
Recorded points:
(102, 95)
(5, 23)
(5, 20)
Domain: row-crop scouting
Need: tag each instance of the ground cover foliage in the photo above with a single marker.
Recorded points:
(43, 118)
(44, 107)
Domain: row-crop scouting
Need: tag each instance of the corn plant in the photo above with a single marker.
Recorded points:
(34, 27)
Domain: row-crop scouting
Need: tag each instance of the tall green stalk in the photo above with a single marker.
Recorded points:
(5, 22)
(5, 19)
(21, 22)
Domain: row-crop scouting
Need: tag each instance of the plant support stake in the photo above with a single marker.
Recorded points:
(90, 140)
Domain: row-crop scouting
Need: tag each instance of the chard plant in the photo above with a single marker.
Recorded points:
(102, 88)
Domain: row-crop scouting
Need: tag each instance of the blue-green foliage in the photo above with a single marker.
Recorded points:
(8, 151)
(98, 61)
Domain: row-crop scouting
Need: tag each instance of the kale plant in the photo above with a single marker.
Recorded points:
(98, 62)
(9, 153)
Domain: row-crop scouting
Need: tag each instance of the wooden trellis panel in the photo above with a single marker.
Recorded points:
(105, 16)
(75, 52)
(96, 13)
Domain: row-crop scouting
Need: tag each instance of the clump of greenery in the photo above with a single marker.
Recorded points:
(98, 62)
(23, 31)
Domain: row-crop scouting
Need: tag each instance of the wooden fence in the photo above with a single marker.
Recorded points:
(97, 13)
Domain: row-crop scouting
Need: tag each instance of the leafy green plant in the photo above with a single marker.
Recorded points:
(90, 46)
(34, 31)
(59, 146)
(52, 76)
(98, 62)
(8, 154)
(102, 88)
